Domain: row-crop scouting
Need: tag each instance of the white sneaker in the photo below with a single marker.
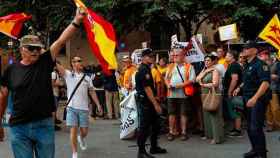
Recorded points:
(75, 155)
(82, 142)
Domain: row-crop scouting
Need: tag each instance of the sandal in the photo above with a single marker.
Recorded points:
(170, 137)
(184, 137)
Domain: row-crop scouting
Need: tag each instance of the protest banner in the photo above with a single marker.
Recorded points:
(228, 32)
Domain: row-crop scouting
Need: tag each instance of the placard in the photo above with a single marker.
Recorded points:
(228, 32)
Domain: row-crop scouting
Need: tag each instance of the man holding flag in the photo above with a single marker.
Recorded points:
(29, 80)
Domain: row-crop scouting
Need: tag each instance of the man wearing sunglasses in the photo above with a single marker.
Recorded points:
(31, 123)
(78, 107)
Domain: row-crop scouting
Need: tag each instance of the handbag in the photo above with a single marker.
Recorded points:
(71, 96)
(189, 89)
(212, 101)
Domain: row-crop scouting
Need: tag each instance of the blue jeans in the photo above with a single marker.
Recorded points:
(33, 138)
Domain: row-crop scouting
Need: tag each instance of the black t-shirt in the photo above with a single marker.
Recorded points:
(233, 68)
(31, 88)
(143, 78)
(110, 82)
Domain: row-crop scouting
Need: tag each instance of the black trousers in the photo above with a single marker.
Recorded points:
(101, 97)
(148, 125)
(255, 119)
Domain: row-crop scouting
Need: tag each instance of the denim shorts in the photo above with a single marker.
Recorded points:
(36, 137)
(76, 117)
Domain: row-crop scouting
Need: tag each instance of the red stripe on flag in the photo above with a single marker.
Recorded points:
(16, 17)
(16, 29)
(274, 40)
(108, 28)
(95, 48)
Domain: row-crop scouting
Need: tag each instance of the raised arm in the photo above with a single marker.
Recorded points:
(67, 34)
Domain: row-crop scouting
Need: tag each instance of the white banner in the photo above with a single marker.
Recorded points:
(136, 56)
(195, 54)
(174, 40)
(129, 116)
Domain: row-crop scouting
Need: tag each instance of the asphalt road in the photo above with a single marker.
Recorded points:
(103, 142)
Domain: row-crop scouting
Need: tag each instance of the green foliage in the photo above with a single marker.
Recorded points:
(52, 16)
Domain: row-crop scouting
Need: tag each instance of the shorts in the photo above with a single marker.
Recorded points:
(178, 106)
(76, 117)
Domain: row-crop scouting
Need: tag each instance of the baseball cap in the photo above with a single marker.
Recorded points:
(147, 52)
(250, 44)
(30, 40)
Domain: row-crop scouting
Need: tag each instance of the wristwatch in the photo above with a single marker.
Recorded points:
(75, 24)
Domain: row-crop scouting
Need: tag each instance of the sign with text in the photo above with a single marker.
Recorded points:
(195, 54)
(228, 32)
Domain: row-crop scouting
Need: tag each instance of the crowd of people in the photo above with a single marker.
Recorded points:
(221, 96)
(229, 92)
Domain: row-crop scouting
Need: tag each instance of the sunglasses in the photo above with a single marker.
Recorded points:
(77, 61)
(33, 48)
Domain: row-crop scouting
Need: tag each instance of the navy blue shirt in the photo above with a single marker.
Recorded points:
(110, 83)
(254, 74)
(143, 78)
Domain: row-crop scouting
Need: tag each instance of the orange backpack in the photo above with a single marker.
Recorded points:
(189, 89)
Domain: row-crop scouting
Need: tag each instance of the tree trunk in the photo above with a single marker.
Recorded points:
(200, 23)
(186, 24)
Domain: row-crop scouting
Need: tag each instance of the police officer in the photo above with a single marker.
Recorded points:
(255, 86)
(148, 107)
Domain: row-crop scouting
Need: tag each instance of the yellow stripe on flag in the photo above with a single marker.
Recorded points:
(6, 27)
(80, 4)
(106, 45)
(271, 32)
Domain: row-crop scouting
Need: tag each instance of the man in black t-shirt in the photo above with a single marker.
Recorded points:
(231, 81)
(29, 80)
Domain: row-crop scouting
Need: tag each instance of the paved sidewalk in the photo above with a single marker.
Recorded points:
(103, 142)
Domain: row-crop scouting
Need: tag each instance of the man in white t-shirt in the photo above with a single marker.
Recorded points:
(78, 110)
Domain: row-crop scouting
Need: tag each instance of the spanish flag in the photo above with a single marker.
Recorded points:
(101, 37)
(11, 25)
(271, 32)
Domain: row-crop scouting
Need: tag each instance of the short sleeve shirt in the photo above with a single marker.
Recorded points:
(143, 78)
(233, 68)
(31, 89)
(176, 79)
(80, 99)
(156, 75)
(254, 74)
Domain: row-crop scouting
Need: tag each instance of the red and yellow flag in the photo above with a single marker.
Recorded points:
(101, 37)
(11, 24)
(271, 32)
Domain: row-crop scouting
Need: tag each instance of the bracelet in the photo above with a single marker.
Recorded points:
(75, 24)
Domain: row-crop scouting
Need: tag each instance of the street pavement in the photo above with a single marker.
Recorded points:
(103, 142)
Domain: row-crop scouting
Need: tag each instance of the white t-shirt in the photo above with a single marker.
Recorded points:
(221, 69)
(80, 99)
(55, 76)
